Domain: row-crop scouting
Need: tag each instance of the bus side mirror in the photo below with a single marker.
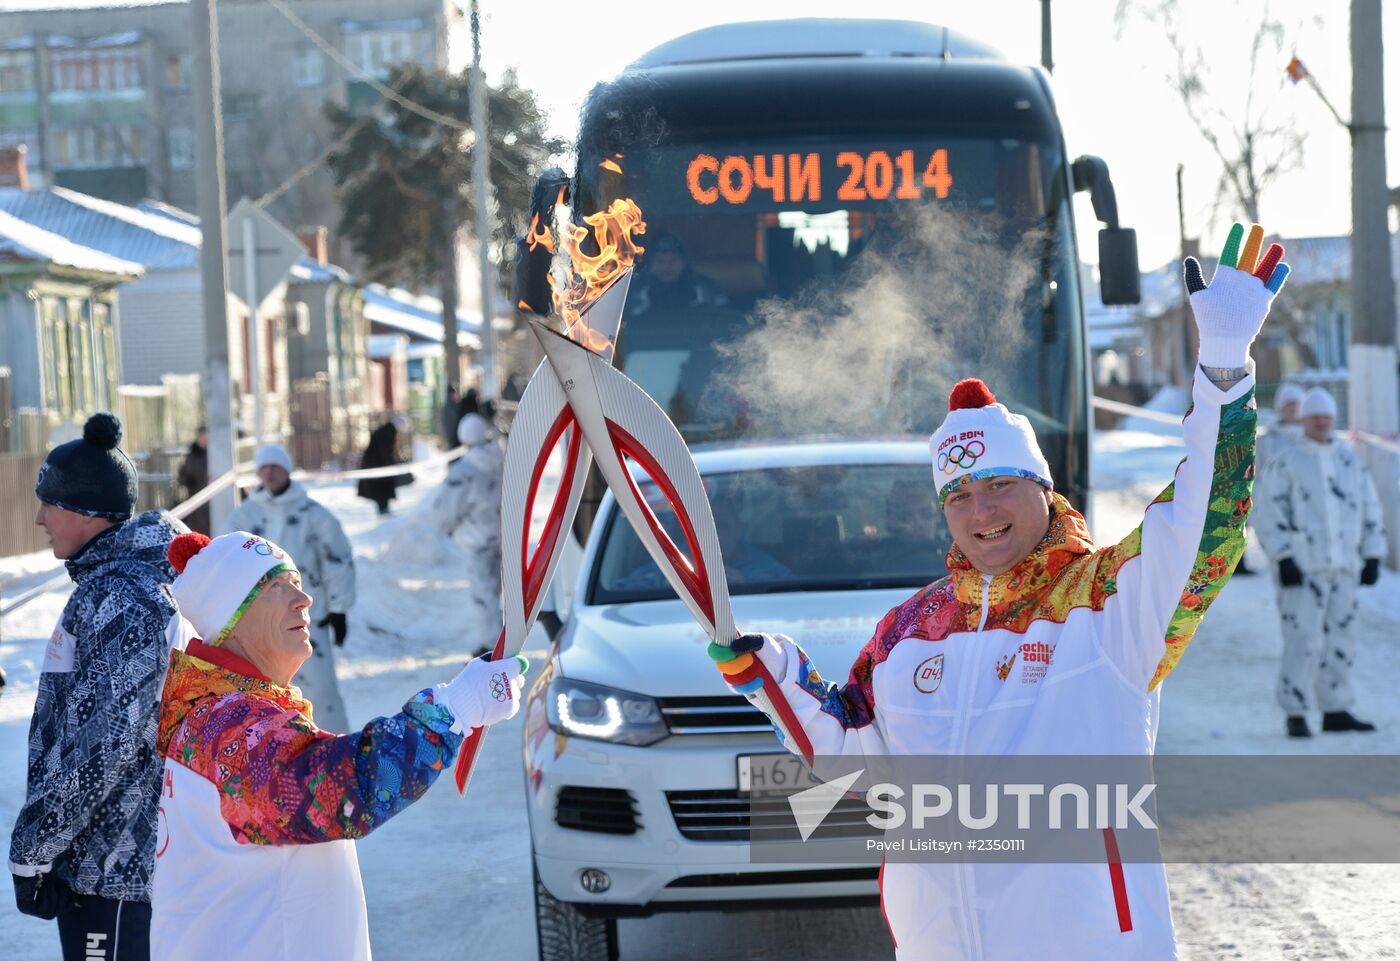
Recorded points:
(1120, 282)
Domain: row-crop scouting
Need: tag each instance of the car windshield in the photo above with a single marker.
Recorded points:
(823, 527)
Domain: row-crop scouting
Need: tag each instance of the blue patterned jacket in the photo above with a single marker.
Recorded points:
(94, 772)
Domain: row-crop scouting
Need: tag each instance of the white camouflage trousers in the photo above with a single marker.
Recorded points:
(318, 684)
(1319, 642)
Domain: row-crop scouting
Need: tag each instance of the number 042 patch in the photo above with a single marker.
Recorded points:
(929, 674)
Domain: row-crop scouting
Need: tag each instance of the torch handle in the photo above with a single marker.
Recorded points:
(471, 746)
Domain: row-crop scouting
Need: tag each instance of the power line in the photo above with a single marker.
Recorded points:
(311, 166)
(389, 93)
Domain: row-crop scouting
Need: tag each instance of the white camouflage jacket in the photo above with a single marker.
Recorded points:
(308, 531)
(1316, 504)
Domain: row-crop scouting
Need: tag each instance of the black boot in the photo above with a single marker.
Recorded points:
(1298, 727)
(1343, 721)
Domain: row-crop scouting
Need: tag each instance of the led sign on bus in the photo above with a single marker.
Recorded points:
(813, 177)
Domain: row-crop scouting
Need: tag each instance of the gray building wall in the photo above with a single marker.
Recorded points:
(162, 329)
(275, 83)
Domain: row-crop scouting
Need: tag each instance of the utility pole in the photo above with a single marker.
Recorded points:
(1046, 60)
(42, 86)
(1374, 395)
(213, 260)
(1186, 356)
(451, 352)
(481, 182)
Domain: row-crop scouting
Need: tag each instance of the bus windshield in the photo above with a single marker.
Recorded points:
(816, 287)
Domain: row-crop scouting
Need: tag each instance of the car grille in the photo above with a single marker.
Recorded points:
(602, 810)
(749, 879)
(724, 816)
(728, 714)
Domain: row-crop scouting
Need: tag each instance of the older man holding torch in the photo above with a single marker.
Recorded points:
(1039, 643)
(259, 807)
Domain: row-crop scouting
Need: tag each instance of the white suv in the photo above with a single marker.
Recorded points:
(637, 756)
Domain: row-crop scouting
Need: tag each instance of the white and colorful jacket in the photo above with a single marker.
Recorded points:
(259, 810)
(1062, 655)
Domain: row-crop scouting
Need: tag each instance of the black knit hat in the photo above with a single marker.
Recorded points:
(90, 476)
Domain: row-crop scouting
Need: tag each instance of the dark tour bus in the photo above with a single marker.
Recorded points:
(843, 218)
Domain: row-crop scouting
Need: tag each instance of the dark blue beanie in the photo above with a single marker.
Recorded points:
(90, 476)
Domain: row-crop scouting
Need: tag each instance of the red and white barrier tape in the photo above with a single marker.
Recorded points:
(244, 477)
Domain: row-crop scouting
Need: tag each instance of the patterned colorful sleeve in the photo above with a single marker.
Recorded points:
(283, 781)
(842, 719)
(1172, 567)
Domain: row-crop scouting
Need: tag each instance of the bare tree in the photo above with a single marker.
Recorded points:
(1242, 123)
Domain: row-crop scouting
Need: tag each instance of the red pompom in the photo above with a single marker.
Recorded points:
(182, 548)
(970, 393)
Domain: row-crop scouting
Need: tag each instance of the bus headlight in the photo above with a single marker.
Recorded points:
(600, 713)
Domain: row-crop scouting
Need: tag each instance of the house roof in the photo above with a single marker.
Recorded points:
(419, 317)
(158, 241)
(21, 241)
(168, 211)
(305, 271)
(310, 271)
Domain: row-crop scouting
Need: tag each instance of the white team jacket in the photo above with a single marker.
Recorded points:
(248, 901)
(1061, 655)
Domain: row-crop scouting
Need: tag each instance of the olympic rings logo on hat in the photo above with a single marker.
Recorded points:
(959, 457)
(267, 549)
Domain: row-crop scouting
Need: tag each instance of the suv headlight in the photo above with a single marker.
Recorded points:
(600, 713)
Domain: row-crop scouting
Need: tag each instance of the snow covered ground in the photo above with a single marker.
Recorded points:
(450, 877)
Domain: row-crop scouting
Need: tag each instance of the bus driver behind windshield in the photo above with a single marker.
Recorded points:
(1042, 643)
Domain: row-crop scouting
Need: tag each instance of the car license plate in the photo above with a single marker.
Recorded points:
(781, 773)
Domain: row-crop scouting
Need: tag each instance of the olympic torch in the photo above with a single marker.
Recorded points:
(542, 420)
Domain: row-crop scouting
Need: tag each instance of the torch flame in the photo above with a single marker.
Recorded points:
(590, 274)
(541, 235)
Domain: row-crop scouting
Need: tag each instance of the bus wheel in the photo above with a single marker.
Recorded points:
(566, 934)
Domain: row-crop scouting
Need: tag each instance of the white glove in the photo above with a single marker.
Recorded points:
(484, 692)
(1230, 312)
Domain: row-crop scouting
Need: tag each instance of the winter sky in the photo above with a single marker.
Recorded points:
(1109, 83)
(1109, 86)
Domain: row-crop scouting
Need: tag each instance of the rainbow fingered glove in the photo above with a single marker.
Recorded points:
(736, 662)
(1230, 312)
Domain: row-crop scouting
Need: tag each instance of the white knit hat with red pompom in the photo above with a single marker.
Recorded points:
(219, 578)
(981, 438)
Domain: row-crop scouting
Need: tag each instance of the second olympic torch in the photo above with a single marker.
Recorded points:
(624, 426)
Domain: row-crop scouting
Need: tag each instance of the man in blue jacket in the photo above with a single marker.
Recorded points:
(83, 847)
